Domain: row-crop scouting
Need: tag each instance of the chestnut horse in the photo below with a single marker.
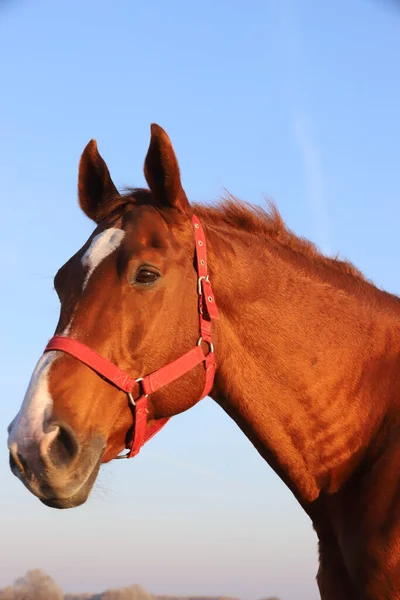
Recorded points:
(306, 361)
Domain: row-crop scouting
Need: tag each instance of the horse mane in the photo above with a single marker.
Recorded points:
(267, 223)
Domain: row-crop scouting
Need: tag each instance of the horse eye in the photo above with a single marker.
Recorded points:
(146, 276)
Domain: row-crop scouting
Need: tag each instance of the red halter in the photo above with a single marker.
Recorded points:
(158, 379)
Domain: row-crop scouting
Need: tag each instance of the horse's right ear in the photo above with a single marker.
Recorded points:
(95, 186)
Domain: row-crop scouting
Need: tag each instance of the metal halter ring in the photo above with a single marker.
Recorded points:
(130, 398)
(210, 344)
(132, 402)
(126, 455)
(129, 394)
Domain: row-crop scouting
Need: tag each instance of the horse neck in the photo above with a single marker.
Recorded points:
(308, 358)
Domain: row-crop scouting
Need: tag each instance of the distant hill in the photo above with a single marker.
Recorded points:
(37, 585)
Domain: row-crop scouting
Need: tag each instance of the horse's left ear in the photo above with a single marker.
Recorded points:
(161, 170)
(96, 189)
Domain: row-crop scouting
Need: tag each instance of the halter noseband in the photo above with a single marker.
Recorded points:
(165, 375)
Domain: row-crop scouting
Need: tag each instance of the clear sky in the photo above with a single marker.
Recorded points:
(295, 100)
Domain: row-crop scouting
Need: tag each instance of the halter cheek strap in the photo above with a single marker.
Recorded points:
(148, 384)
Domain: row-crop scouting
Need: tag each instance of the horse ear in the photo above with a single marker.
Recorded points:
(162, 174)
(95, 186)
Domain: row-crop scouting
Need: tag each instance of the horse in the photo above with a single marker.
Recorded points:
(169, 301)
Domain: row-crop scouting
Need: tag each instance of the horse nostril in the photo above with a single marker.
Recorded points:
(11, 425)
(63, 447)
(17, 462)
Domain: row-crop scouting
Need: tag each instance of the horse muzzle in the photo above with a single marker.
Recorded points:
(57, 468)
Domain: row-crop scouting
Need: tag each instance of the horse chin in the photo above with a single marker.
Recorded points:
(62, 503)
(79, 497)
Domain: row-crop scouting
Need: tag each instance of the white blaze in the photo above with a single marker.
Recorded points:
(36, 408)
(101, 246)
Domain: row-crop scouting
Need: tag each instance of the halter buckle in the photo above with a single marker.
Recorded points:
(199, 280)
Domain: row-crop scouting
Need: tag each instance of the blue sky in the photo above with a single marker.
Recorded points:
(298, 101)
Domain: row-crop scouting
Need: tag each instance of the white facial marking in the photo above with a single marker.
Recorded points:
(37, 406)
(101, 246)
(36, 409)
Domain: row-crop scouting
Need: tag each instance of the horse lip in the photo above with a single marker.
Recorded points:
(63, 503)
(79, 496)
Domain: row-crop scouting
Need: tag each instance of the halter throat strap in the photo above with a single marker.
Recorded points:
(138, 389)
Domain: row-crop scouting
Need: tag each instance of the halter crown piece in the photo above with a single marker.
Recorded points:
(148, 384)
